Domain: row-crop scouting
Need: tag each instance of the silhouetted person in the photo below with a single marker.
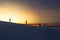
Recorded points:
(26, 21)
(9, 20)
(39, 25)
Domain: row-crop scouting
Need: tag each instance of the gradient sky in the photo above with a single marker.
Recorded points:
(35, 11)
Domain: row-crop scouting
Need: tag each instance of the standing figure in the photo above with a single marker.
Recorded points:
(9, 20)
(39, 25)
(26, 21)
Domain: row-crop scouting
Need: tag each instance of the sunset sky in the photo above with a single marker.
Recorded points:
(34, 11)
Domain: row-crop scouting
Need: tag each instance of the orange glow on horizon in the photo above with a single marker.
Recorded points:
(18, 14)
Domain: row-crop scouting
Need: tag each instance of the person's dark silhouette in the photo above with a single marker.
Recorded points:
(9, 20)
(26, 21)
(39, 25)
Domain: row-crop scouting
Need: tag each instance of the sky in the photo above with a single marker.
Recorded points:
(34, 11)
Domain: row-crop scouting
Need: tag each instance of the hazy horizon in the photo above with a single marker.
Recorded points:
(34, 11)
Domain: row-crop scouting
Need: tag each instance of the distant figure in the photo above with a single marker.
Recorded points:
(39, 25)
(9, 20)
(26, 21)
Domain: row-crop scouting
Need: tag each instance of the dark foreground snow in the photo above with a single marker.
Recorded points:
(10, 31)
